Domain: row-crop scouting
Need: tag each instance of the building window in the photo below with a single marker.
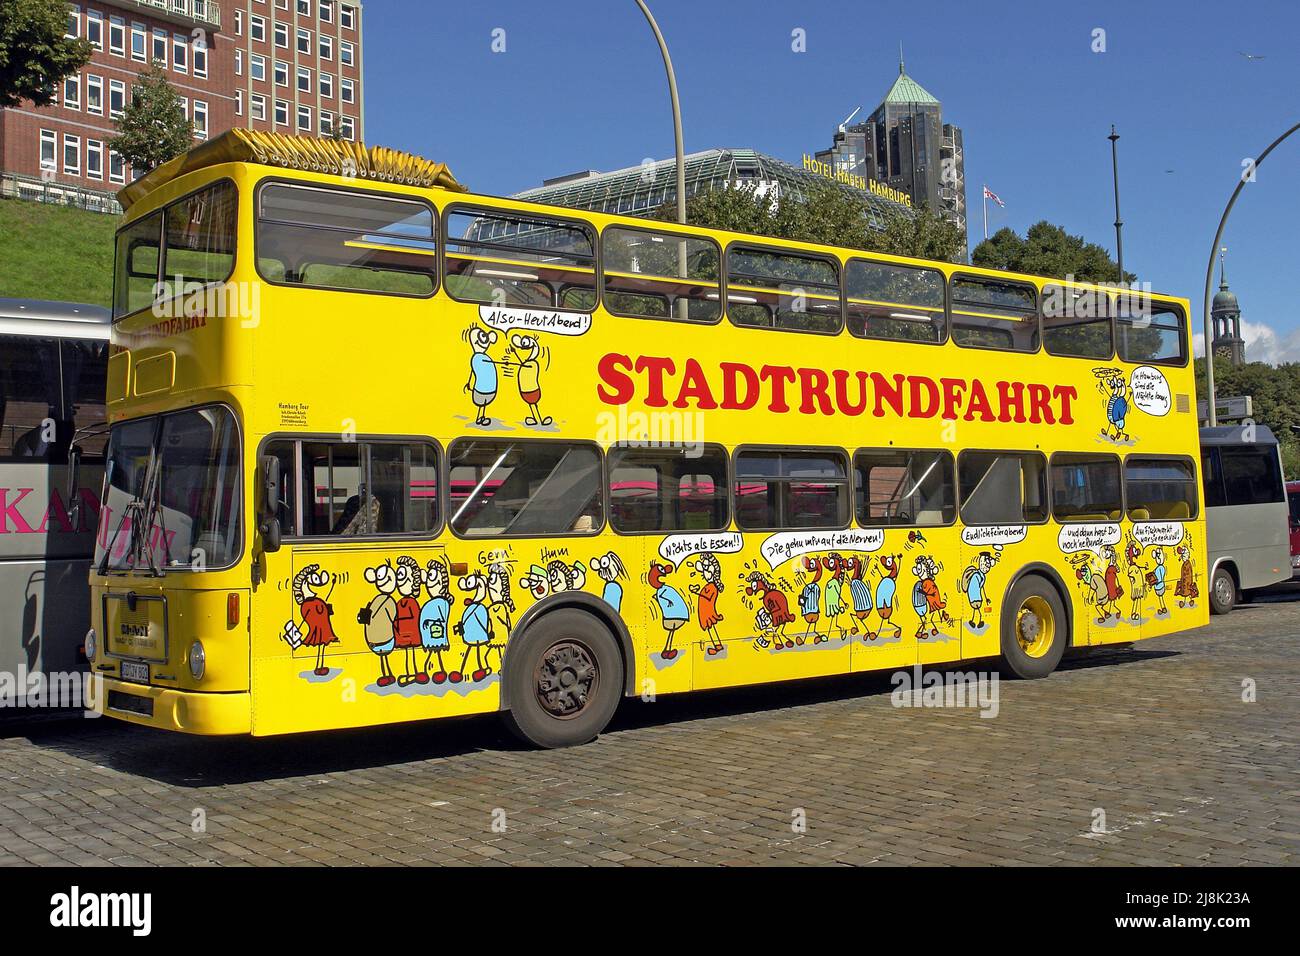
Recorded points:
(327, 11)
(257, 28)
(257, 106)
(71, 154)
(95, 29)
(180, 52)
(47, 150)
(94, 159)
(201, 119)
(279, 4)
(281, 112)
(117, 36)
(74, 22)
(239, 102)
(326, 47)
(327, 85)
(304, 42)
(304, 8)
(116, 98)
(116, 168)
(345, 127)
(281, 73)
(282, 36)
(347, 17)
(159, 45)
(326, 123)
(304, 118)
(95, 94)
(304, 80)
(72, 92)
(200, 58)
(239, 23)
(239, 63)
(185, 105)
(257, 67)
(345, 53)
(138, 51)
(347, 90)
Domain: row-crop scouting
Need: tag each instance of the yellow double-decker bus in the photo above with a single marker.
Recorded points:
(383, 449)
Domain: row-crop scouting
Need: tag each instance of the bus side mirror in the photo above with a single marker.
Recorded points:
(268, 469)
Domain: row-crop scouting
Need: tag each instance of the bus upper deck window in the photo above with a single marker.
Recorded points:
(511, 259)
(781, 289)
(1151, 332)
(138, 259)
(660, 275)
(902, 303)
(1077, 322)
(994, 314)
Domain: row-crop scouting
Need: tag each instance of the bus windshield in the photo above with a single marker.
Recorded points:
(177, 476)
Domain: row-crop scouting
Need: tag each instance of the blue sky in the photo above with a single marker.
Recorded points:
(580, 85)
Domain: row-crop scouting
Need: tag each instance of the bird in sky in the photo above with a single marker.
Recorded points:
(1252, 56)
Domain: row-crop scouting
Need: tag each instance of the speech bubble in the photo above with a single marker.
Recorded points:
(676, 548)
(1087, 537)
(1150, 390)
(509, 318)
(994, 534)
(784, 545)
(1163, 533)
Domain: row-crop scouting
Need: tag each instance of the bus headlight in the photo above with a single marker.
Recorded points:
(91, 644)
(198, 660)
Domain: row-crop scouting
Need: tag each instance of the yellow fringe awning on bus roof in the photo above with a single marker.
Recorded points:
(335, 157)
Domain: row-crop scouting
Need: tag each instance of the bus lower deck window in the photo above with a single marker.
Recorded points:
(538, 487)
(904, 487)
(1002, 487)
(1160, 489)
(667, 489)
(777, 490)
(1086, 487)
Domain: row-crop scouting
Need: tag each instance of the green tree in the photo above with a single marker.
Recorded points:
(35, 55)
(1048, 250)
(828, 215)
(153, 128)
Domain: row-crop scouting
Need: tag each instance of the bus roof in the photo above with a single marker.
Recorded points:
(49, 318)
(1231, 435)
(337, 157)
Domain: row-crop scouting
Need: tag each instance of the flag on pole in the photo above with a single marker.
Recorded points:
(990, 194)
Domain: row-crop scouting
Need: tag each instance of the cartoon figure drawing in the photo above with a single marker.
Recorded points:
(927, 600)
(378, 616)
(673, 610)
(316, 630)
(482, 384)
(886, 589)
(1115, 389)
(528, 376)
(835, 607)
(706, 598)
(1137, 578)
(1114, 590)
(1157, 580)
(435, 632)
(406, 622)
(859, 594)
(566, 577)
(915, 539)
(773, 614)
(536, 582)
(974, 583)
(609, 568)
(1186, 589)
(810, 601)
(500, 608)
(1092, 584)
(475, 627)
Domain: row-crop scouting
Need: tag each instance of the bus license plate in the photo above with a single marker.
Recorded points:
(135, 671)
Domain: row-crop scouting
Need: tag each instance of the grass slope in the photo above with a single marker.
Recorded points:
(55, 252)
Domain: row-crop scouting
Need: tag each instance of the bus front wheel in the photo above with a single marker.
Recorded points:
(1035, 629)
(1223, 591)
(563, 679)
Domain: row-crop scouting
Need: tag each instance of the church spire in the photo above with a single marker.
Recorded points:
(900, 57)
(1223, 275)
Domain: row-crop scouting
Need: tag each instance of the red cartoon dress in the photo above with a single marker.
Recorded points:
(778, 607)
(406, 625)
(708, 606)
(316, 615)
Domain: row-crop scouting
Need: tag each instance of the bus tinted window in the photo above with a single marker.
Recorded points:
(1086, 487)
(1002, 487)
(29, 396)
(516, 260)
(886, 301)
(1160, 489)
(200, 238)
(1251, 475)
(660, 275)
(775, 289)
(909, 488)
(135, 268)
(334, 239)
(506, 488)
(1077, 322)
(666, 489)
(85, 381)
(1212, 478)
(994, 314)
(780, 489)
(1151, 332)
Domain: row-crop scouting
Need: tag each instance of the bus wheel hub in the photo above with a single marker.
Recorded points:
(566, 676)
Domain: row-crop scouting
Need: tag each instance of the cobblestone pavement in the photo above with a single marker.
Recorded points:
(1157, 737)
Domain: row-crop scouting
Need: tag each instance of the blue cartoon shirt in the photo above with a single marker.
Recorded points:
(474, 624)
(808, 599)
(671, 604)
(612, 594)
(484, 371)
(975, 587)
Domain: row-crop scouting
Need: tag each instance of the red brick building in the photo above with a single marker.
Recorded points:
(289, 65)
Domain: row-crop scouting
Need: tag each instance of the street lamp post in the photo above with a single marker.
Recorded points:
(677, 112)
(1210, 418)
(1119, 223)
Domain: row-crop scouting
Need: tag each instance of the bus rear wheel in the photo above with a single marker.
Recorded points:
(1223, 591)
(1035, 629)
(563, 678)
